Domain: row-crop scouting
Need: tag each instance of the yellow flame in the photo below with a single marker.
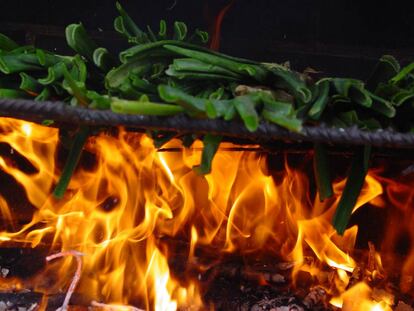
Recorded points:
(120, 207)
(358, 298)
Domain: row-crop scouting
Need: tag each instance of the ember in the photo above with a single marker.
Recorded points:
(157, 236)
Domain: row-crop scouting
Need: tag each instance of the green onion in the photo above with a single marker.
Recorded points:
(127, 27)
(353, 186)
(71, 162)
(246, 108)
(143, 107)
(211, 144)
(254, 71)
(180, 31)
(78, 39)
(321, 171)
(321, 102)
(192, 105)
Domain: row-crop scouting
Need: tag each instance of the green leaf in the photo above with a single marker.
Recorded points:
(219, 108)
(41, 56)
(290, 123)
(98, 101)
(30, 84)
(144, 50)
(151, 35)
(192, 75)
(143, 107)
(193, 65)
(127, 27)
(403, 74)
(292, 81)
(11, 93)
(402, 97)
(47, 122)
(103, 59)
(76, 88)
(387, 90)
(348, 118)
(45, 94)
(246, 108)
(78, 69)
(180, 31)
(280, 113)
(117, 76)
(231, 112)
(128, 91)
(254, 71)
(54, 74)
(211, 143)
(353, 186)
(143, 85)
(354, 90)
(386, 68)
(18, 62)
(71, 162)
(322, 172)
(160, 138)
(162, 34)
(78, 39)
(382, 106)
(191, 104)
(47, 59)
(217, 94)
(201, 36)
(188, 140)
(322, 100)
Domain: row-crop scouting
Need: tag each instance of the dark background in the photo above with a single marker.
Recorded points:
(338, 37)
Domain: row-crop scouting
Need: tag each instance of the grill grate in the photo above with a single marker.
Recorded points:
(267, 133)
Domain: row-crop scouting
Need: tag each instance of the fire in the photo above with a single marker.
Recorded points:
(215, 39)
(127, 204)
(358, 298)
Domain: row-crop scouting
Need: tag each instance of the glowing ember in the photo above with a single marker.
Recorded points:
(118, 210)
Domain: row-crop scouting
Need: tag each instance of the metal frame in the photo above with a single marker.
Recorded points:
(64, 114)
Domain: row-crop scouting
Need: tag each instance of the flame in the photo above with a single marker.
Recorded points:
(215, 38)
(358, 298)
(118, 242)
(127, 198)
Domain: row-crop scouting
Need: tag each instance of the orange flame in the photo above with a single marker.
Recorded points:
(117, 210)
(215, 38)
(358, 298)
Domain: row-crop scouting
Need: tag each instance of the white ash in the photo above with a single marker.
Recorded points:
(288, 308)
(315, 297)
(408, 170)
(292, 307)
(4, 272)
(277, 304)
(278, 278)
(9, 306)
